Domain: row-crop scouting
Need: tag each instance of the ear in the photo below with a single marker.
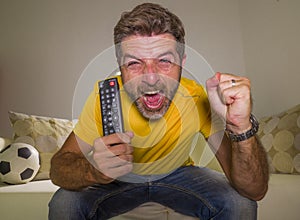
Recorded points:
(183, 60)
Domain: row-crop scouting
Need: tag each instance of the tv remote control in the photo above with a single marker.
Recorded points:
(110, 104)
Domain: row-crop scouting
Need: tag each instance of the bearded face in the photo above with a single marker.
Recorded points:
(151, 70)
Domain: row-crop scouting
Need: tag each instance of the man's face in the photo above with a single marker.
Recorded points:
(151, 70)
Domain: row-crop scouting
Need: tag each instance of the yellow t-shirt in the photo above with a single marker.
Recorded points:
(160, 146)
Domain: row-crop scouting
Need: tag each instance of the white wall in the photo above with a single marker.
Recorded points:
(45, 46)
(271, 37)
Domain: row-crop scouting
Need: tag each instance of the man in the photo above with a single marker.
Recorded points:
(105, 176)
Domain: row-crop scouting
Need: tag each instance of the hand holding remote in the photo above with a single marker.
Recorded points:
(117, 160)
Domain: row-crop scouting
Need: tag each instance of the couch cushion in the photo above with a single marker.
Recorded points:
(44, 133)
(152, 211)
(280, 135)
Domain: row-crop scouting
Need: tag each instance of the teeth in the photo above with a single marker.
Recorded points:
(151, 92)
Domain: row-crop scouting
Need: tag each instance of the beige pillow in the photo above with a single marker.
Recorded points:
(280, 135)
(4, 142)
(46, 134)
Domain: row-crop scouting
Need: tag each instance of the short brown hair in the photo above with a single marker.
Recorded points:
(148, 19)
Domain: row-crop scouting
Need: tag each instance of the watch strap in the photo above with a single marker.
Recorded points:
(246, 135)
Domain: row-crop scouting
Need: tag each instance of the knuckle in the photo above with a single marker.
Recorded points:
(129, 158)
(246, 81)
(126, 158)
(130, 149)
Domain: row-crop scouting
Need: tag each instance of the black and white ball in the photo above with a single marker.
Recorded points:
(19, 163)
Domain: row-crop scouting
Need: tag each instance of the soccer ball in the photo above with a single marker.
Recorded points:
(19, 163)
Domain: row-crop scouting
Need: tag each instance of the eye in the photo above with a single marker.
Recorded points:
(131, 63)
(165, 64)
(165, 60)
(134, 65)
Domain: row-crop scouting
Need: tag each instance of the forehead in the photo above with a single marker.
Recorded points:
(148, 46)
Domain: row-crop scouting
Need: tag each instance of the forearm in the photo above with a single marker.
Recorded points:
(249, 172)
(74, 172)
(244, 164)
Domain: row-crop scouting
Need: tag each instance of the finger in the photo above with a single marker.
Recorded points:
(120, 161)
(106, 152)
(213, 82)
(102, 143)
(105, 164)
(126, 157)
(116, 161)
(121, 149)
(218, 76)
(118, 138)
(227, 77)
(238, 92)
(120, 171)
(228, 84)
(229, 95)
(112, 152)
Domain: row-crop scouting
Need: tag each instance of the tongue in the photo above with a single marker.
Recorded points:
(153, 101)
(153, 98)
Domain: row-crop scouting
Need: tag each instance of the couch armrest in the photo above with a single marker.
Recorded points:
(282, 199)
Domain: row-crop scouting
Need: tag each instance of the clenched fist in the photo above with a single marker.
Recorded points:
(230, 98)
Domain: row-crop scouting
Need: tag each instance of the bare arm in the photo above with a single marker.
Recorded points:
(70, 168)
(244, 162)
(78, 165)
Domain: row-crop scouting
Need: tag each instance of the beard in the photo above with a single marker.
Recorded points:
(154, 100)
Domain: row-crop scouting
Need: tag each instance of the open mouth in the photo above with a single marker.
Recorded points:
(153, 100)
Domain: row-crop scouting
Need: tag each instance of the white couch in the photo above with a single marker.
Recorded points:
(30, 201)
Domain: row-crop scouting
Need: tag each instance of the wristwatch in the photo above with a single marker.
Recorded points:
(244, 136)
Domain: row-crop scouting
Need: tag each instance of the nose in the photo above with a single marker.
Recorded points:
(150, 75)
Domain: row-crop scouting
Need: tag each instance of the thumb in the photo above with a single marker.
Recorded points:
(130, 134)
(213, 82)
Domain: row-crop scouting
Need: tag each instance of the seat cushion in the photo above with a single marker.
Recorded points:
(152, 211)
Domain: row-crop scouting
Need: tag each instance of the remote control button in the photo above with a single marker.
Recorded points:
(105, 120)
(115, 117)
(112, 83)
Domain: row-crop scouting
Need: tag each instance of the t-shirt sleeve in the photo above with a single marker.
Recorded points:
(87, 125)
